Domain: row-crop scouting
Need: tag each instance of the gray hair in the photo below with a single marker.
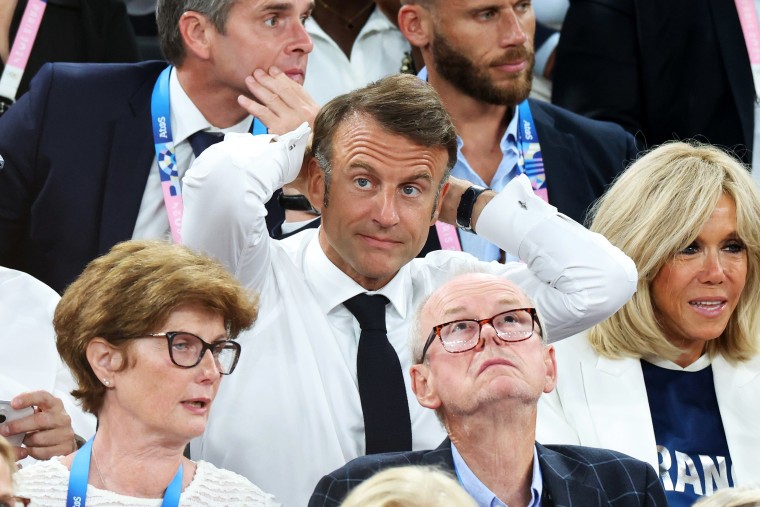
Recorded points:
(168, 13)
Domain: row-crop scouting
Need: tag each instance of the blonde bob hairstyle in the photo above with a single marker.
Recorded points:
(409, 486)
(656, 208)
(130, 292)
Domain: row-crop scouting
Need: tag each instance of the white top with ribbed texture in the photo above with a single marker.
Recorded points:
(46, 483)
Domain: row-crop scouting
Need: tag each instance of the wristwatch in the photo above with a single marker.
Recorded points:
(466, 203)
(296, 203)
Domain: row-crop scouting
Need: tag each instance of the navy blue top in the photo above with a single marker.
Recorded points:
(691, 442)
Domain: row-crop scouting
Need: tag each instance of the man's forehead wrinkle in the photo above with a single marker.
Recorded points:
(460, 294)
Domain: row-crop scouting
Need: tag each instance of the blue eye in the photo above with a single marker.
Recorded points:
(410, 191)
(734, 247)
(362, 182)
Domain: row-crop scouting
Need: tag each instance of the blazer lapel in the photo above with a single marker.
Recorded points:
(736, 62)
(619, 408)
(737, 387)
(563, 484)
(441, 456)
(130, 161)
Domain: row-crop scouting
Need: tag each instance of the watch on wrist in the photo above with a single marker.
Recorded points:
(296, 203)
(466, 204)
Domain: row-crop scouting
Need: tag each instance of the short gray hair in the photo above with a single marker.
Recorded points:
(168, 13)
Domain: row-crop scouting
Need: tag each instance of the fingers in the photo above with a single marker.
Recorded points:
(48, 430)
(278, 101)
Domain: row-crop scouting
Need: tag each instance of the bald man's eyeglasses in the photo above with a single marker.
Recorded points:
(462, 335)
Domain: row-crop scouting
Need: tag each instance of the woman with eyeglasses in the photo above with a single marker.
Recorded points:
(673, 378)
(147, 332)
(7, 467)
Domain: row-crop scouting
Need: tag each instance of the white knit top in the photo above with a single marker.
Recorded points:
(46, 483)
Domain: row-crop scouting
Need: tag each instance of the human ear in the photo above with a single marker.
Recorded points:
(195, 29)
(423, 387)
(550, 363)
(104, 358)
(413, 22)
(439, 203)
(315, 187)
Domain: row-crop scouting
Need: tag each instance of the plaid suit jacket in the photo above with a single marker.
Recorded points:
(573, 476)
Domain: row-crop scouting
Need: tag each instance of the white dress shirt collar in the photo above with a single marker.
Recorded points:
(186, 118)
(332, 286)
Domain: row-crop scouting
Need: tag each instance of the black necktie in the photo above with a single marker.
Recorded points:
(202, 140)
(387, 425)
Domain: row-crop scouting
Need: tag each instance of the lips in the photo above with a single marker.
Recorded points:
(197, 405)
(709, 307)
(494, 362)
(379, 241)
(296, 75)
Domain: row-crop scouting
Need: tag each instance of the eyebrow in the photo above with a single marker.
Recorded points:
(507, 301)
(363, 166)
(278, 6)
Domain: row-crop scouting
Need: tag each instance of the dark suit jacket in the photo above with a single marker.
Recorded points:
(573, 476)
(676, 69)
(78, 149)
(78, 31)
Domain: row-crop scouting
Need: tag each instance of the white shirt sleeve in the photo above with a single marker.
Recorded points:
(224, 194)
(576, 277)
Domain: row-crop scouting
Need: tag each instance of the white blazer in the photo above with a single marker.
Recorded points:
(603, 402)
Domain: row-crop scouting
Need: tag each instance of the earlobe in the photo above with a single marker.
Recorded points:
(411, 22)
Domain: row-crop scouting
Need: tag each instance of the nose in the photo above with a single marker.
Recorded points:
(301, 42)
(513, 29)
(712, 268)
(209, 365)
(488, 332)
(387, 215)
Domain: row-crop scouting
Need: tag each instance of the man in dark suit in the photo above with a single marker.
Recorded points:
(481, 362)
(663, 70)
(81, 172)
(481, 65)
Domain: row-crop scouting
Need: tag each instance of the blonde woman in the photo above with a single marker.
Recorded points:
(673, 378)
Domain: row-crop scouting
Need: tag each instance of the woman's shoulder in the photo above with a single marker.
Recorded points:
(214, 486)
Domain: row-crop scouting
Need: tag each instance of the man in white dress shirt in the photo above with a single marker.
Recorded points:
(379, 174)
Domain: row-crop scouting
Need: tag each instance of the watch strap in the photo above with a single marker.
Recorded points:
(296, 202)
(466, 205)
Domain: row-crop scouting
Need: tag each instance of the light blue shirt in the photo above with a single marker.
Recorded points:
(508, 169)
(484, 496)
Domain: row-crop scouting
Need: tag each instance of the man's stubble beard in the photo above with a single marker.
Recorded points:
(475, 81)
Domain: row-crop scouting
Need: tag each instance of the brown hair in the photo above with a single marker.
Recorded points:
(132, 290)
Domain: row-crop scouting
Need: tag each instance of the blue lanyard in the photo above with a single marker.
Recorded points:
(166, 157)
(529, 160)
(80, 472)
